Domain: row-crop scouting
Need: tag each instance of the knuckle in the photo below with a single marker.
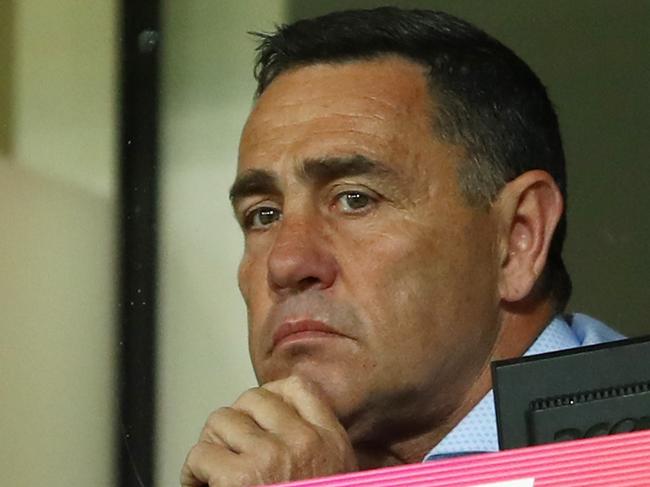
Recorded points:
(195, 457)
(214, 421)
(195, 452)
(213, 426)
(248, 396)
(217, 415)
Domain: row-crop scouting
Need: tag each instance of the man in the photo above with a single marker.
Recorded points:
(401, 188)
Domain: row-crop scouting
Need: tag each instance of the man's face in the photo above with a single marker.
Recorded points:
(364, 269)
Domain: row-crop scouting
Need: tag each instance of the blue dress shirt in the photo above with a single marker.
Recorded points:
(477, 432)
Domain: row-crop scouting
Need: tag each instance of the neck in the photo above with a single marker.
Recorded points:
(519, 329)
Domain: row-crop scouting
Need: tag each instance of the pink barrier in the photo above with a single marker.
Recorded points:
(615, 461)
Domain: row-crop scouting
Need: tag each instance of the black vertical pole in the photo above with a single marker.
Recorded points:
(140, 39)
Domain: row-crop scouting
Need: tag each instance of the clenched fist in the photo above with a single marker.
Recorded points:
(278, 432)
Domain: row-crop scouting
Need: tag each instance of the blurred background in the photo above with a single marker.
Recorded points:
(66, 171)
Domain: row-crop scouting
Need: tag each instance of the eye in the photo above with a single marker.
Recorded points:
(353, 201)
(261, 218)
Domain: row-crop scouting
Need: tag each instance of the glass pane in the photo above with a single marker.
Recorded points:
(207, 93)
(585, 57)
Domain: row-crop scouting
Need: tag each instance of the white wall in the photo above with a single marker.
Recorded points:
(207, 93)
(57, 252)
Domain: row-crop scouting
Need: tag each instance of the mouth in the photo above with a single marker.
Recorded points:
(303, 330)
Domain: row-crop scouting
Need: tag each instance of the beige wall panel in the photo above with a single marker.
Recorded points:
(57, 347)
(64, 90)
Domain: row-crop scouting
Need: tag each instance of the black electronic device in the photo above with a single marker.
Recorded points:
(577, 393)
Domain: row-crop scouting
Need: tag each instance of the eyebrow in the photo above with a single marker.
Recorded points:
(252, 182)
(318, 171)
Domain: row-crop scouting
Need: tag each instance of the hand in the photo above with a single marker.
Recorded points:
(275, 433)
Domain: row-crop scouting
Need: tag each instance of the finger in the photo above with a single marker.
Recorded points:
(207, 433)
(307, 400)
(233, 428)
(210, 464)
(269, 411)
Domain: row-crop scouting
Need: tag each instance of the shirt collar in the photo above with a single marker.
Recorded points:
(477, 432)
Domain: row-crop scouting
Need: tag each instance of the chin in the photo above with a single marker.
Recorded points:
(338, 387)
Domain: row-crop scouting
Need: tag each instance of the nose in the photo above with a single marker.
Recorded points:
(301, 257)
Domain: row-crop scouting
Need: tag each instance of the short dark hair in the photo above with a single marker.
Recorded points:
(489, 101)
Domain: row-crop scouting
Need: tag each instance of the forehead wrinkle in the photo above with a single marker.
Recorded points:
(269, 125)
(311, 107)
(324, 169)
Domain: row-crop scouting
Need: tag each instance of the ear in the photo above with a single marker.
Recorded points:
(529, 209)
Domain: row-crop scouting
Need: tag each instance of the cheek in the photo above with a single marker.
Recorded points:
(252, 270)
(427, 305)
(244, 279)
(252, 286)
(420, 283)
(387, 278)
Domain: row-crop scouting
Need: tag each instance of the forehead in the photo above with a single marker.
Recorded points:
(377, 108)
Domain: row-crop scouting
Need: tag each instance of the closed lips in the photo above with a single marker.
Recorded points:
(288, 329)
